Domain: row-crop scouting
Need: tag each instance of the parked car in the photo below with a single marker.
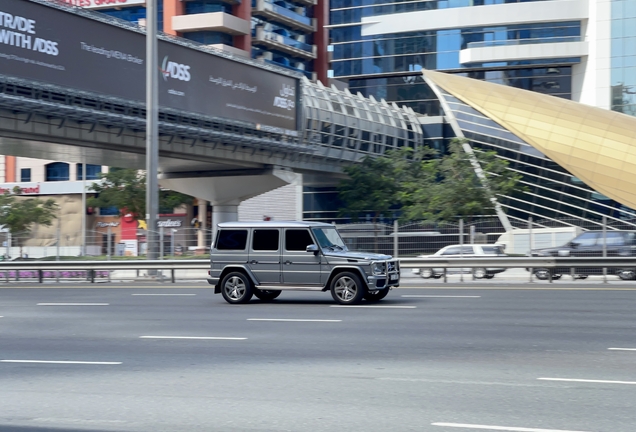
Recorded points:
(263, 259)
(463, 251)
(590, 244)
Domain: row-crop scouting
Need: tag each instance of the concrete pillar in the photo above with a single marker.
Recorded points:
(243, 10)
(172, 8)
(321, 39)
(203, 217)
(223, 213)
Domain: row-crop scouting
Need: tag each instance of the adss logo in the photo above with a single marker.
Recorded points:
(174, 70)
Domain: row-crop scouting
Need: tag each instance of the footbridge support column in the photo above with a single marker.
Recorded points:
(226, 189)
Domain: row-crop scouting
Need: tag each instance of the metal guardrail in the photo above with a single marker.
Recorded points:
(93, 266)
(172, 265)
(519, 262)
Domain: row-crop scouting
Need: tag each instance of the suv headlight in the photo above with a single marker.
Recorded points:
(378, 268)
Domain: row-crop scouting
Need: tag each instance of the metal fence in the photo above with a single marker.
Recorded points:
(410, 239)
(106, 243)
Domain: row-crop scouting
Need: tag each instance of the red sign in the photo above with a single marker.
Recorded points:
(34, 190)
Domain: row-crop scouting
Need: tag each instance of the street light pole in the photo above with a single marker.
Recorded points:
(152, 129)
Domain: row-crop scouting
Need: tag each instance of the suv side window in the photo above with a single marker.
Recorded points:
(467, 250)
(614, 239)
(231, 239)
(586, 239)
(265, 239)
(297, 239)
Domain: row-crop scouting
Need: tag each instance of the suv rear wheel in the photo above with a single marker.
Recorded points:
(347, 289)
(236, 288)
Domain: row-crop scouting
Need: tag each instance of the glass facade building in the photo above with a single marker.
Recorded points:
(572, 50)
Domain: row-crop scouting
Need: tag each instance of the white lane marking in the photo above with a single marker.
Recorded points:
(441, 296)
(73, 304)
(292, 320)
(439, 381)
(622, 349)
(163, 294)
(60, 362)
(192, 337)
(588, 381)
(374, 307)
(500, 428)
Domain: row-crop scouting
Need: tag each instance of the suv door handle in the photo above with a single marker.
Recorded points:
(288, 262)
(253, 262)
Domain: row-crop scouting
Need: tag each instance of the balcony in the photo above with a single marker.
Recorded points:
(274, 41)
(523, 49)
(270, 12)
(306, 3)
(213, 21)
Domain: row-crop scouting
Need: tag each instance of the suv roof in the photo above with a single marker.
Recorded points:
(273, 224)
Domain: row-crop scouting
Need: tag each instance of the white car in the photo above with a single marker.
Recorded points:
(463, 251)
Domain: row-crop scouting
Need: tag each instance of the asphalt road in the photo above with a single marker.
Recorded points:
(178, 358)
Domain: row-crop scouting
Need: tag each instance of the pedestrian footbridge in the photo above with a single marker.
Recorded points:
(230, 128)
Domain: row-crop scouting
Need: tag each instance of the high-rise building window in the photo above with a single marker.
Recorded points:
(209, 37)
(92, 171)
(25, 175)
(57, 171)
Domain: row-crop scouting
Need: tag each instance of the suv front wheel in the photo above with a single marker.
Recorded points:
(347, 289)
(236, 288)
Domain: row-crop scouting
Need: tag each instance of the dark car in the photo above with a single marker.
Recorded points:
(590, 244)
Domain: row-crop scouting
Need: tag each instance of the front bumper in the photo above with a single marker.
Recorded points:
(387, 280)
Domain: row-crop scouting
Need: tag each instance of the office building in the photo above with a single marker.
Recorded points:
(579, 50)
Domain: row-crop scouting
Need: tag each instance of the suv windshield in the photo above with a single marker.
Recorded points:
(329, 238)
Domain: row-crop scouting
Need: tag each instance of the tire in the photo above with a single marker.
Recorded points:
(490, 276)
(347, 289)
(480, 273)
(556, 276)
(236, 288)
(627, 274)
(543, 274)
(426, 273)
(437, 276)
(578, 276)
(376, 295)
(266, 295)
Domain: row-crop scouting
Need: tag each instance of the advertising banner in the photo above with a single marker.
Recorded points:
(103, 4)
(53, 46)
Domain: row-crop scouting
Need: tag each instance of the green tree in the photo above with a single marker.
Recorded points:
(427, 185)
(447, 187)
(370, 188)
(18, 214)
(126, 190)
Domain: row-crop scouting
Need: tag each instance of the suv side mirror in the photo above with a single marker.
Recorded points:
(574, 245)
(312, 248)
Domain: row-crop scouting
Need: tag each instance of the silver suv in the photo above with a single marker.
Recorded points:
(265, 258)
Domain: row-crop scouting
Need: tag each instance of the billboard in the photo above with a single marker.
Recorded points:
(57, 47)
(104, 4)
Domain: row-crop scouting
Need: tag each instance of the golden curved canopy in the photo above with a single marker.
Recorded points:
(596, 145)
